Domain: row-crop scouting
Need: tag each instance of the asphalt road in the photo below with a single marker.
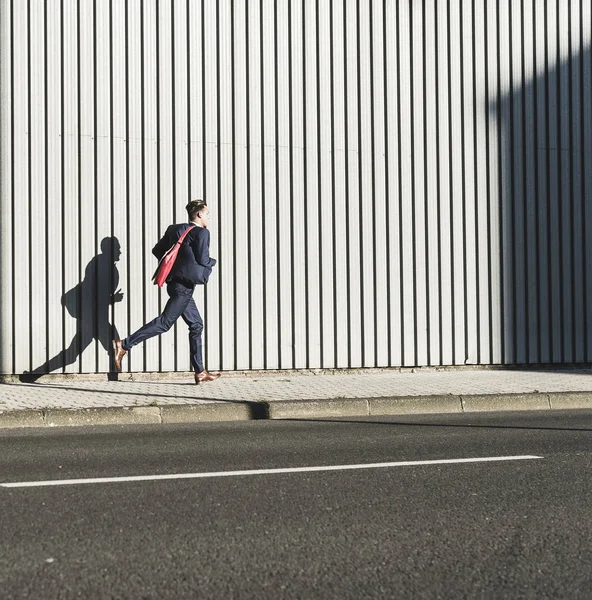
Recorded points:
(500, 529)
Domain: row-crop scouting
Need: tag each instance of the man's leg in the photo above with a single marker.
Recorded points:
(194, 321)
(180, 296)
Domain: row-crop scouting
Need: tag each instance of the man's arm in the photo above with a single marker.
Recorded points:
(162, 245)
(201, 248)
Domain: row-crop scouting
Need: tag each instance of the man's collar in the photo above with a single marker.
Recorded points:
(196, 224)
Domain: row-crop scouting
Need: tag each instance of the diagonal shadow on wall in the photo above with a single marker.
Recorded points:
(545, 128)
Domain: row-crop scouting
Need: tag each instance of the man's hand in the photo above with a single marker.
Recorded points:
(117, 296)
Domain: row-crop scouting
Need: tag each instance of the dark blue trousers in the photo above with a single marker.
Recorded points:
(180, 304)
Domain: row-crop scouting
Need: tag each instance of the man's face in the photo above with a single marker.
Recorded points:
(205, 216)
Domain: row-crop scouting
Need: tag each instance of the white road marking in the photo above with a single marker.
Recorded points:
(409, 463)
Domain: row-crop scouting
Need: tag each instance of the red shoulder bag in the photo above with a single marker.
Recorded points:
(165, 264)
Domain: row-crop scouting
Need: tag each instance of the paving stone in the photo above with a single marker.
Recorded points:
(414, 405)
(207, 413)
(503, 402)
(307, 409)
(21, 418)
(102, 416)
(570, 400)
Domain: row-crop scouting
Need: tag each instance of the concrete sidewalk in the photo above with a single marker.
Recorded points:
(174, 398)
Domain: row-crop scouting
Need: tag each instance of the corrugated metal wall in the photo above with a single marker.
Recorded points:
(391, 182)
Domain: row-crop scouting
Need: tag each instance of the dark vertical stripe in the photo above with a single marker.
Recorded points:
(234, 203)
(305, 185)
(12, 195)
(347, 194)
(62, 169)
(451, 186)
(428, 336)
(127, 176)
(79, 189)
(333, 200)
(143, 174)
(489, 240)
(204, 170)
(360, 188)
(48, 271)
(537, 244)
(251, 345)
(29, 188)
(188, 109)
(571, 156)
(438, 189)
(92, 301)
(158, 163)
(187, 74)
(550, 311)
(188, 100)
(173, 155)
(292, 204)
(173, 126)
(386, 187)
(111, 171)
(263, 194)
(560, 206)
(582, 52)
(373, 179)
(219, 183)
(500, 190)
(463, 153)
(413, 194)
(477, 196)
(319, 188)
(509, 204)
(277, 186)
(527, 244)
(400, 190)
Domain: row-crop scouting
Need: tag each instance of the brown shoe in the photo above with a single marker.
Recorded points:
(119, 353)
(205, 376)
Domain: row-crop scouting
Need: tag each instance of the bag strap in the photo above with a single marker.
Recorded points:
(184, 234)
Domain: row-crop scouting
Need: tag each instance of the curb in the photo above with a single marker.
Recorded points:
(138, 415)
(217, 412)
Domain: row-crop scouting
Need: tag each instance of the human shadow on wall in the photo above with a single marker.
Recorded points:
(89, 303)
(545, 132)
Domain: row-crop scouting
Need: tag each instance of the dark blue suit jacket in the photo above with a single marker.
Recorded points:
(194, 264)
